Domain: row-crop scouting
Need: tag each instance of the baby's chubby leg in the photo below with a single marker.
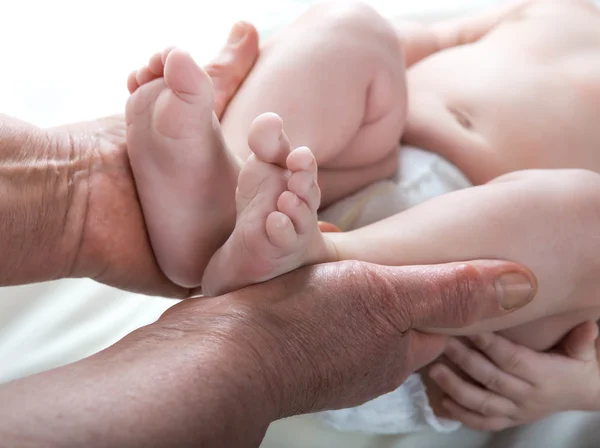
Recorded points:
(541, 219)
(336, 77)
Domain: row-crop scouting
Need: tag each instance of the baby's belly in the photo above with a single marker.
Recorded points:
(490, 110)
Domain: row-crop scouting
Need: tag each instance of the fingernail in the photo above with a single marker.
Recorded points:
(514, 290)
(237, 34)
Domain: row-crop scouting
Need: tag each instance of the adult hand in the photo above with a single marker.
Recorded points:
(70, 207)
(500, 384)
(218, 371)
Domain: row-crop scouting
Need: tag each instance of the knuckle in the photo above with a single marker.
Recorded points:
(483, 406)
(491, 380)
(469, 361)
(381, 297)
(464, 284)
(483, 341)
(514, 361)
(456, 391)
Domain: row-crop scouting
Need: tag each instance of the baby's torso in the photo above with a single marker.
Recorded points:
(525, 96)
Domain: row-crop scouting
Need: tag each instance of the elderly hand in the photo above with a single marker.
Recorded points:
(218, 371)
(500, 384)
(70, 207)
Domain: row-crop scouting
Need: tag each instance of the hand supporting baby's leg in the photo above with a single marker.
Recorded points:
(521, 217)
(336, 77)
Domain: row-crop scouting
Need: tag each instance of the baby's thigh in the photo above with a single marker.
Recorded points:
(544, 333)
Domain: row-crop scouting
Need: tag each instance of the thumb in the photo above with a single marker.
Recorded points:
(231, 67)
(579, 343)
(456, 295)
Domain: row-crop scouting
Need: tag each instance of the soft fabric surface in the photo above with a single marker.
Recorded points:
(67, 60)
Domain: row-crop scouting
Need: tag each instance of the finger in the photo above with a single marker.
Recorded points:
(230, 68)
(457, 294)
(514, 359)
(580, 343)
(474, 420)
(425, 348)
(470, 396)
(484, 372)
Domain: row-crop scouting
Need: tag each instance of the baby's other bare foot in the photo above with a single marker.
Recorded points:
(277, 200)
(184, 174)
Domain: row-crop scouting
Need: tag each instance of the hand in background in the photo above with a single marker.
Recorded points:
(499, 384)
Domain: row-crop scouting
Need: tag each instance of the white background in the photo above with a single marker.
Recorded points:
(66, 60)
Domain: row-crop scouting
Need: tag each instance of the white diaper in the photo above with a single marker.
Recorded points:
(402, 411)
(421, 176)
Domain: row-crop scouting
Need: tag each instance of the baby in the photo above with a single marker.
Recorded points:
(493, 95)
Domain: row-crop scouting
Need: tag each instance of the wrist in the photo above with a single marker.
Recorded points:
(106, 220)
(218, 384)
(159, 386)
(39, 226)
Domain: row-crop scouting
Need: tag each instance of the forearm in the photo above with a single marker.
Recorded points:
(152, 393)
(39, 185)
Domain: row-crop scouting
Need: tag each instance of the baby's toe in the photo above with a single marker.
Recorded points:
(302, 159)
(268, 141)
(304, 185)
(184, 77)
(156, 65)
(144, 76)
(281, 231)
(165, 53)
(132, 84)
(297, 210)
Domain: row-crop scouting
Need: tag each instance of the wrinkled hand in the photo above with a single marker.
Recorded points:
(337, 335)
(500, 384)
(113, 245)
(217, 371)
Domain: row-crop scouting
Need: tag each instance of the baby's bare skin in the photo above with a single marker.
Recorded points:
(525, 95)
(184, 175)
(500, 93)
(511, 96)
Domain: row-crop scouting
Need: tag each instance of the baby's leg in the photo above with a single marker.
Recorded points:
(277, 200)
(525, 217)
(185, 176)
(336, 77)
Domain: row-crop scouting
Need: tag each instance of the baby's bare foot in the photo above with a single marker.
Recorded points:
(277, 201)
(185, 176)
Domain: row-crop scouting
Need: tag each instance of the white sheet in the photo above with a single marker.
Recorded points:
(67, 60)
